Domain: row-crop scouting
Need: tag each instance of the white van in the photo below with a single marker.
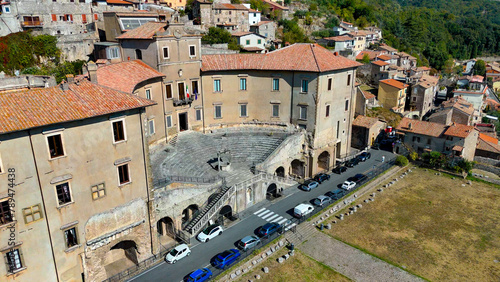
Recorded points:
(302, 210)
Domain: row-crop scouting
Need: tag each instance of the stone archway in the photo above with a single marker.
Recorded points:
(280, 171)
(324, 161)
(166, 227)
(120, 257)
(189, 213)
(226, 211)
(272, 191)
(298, 168)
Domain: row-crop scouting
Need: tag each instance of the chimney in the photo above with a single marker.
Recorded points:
(70, 78)
(92, 68)
(410, 126)
(64, 85)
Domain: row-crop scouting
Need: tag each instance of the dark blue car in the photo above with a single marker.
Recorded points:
(199, 275)
(268, 229)
(226, 258)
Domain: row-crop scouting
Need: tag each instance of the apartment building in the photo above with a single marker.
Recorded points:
(392, 94)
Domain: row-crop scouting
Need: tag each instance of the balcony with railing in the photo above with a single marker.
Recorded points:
(31, 22)
(185, 101)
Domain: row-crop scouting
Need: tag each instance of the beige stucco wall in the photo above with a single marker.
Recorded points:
(15, 152)
(391, 97)
(155, 113)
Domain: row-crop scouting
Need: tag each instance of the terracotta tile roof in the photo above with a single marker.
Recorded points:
(141, 14)
(254, 11)
(262, 22)
(227, 6)
(394, 83)
(367, 94)
(122, 2)
(22, 110)
(339, 38)
(380, 63)
(275, 5)
(145, 31)
(387, 48)
(364, 121)
(347, 23)
(459, 130)
(384, 57)
(371, 54)
(484, 145)
(243, 33)
(297, 57)
(427, 81)
(488, 138)
(421, 127)
(252, 49)
(125, 76)
(359, 33)
(459, 103)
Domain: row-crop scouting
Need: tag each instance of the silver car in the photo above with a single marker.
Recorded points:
(322, 200)
(248, 242)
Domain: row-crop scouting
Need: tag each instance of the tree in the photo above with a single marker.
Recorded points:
(216, 35)
(479, 68)
(313, 7)
(365, 59)
(413, 156)
(308, 20)
(401, 161)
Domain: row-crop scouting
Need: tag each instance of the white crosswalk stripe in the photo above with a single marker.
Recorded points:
(262, 209)
(281, 221)
(270, 216)
(288, 227)
(264, 213)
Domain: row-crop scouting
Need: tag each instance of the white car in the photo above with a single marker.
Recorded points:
(177, 253)
(302, 210)
(209, 233)
(348, 185)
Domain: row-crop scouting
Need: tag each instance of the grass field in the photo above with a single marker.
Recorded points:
(297, 268)
(432, 226)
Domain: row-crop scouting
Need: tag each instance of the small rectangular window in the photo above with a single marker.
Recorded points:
(276, 110)
(70, 237)
(248, 42)
(118, 131)
(32, 214)
(346, 105)
(305, 85)
(6, 8)
(123, 174)
(428, 141)
(166, 54)
(218, 111)
(54, 17)
(243, 84)
(55, 146)
(168, 91)
(276, 84)
(151, 126)
(98, 191)
(194, 86)
(348, 79)
(192, 51)
(198, 114)
(14, 261)
(327, 110)
(303, 113)
(330, 84)
(338, 128)
(63, 193)
(259, 41)
(243, 110)
(169, 121)
(217, 87)
(84, 18)
(148, 94)
(6, 215)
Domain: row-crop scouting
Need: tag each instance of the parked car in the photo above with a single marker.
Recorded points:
(248, 242)
(348, 185)
(322, 200)
(320, 177)
(199, 275)
(364, 156)
(357, 178)
(339, 169)
(268, 229)
(335, 194)
(302, 210)
(226, 258)
(352, 162)
(308, 185)
(177, 253)
(209, 233)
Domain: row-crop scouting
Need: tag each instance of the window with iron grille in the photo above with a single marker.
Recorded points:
(55, 146)
(98, 191)
(123, 174)
(32, 214)
(13, 259)
(118, 131)
(5, 212)
(70, 237)
(63, 193)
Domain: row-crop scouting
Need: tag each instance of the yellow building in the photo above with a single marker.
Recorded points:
(392, 94)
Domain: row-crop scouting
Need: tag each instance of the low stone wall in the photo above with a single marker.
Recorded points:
(487, 161)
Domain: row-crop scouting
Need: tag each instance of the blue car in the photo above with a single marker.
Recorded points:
(199, 275)
(226, 258)
(268, 229)
(308, 185)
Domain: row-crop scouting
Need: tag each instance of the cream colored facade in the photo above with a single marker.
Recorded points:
(392, 97)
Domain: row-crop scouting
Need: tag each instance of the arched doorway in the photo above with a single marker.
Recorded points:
(165, 227)
(188, 213)
(324, 161)
(226, 212)
(298, 168)
(120, 257)
(280, 171)
(272, 191)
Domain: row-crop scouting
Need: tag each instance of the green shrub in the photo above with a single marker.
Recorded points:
(401, 161)
(413, 156)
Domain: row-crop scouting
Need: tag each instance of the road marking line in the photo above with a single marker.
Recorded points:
(278, 219)
(264, 213)
(273, 217)
(268, 215)
(259, 210)
(288, 227)
(283, 220)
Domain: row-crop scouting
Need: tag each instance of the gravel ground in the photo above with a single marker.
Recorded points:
(352, 262)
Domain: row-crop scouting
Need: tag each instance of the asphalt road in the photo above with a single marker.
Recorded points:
(280, 209)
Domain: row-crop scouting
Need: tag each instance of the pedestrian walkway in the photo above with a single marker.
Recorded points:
(271, 216)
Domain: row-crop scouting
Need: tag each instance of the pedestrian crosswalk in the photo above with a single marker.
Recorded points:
(271, 216)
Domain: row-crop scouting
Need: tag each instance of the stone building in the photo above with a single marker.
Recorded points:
(81, 184)
(304, 84)
(422, 94)
(455, 110)
(223, 14)
(266, 29)
(365, 131)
